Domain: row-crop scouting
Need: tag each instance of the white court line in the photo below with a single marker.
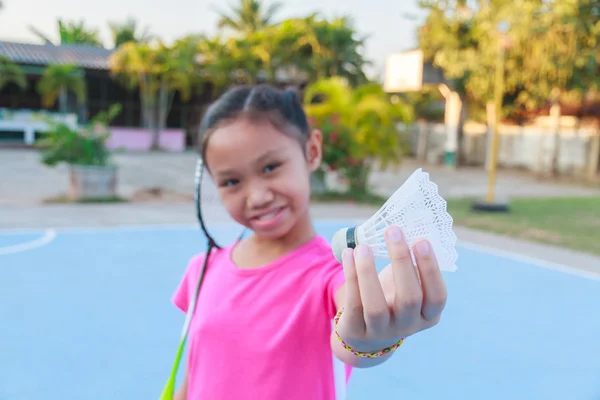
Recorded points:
(536, 262)
(48, 237)
(100, 229)
(138, 228)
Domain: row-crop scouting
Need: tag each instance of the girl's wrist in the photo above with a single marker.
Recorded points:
(351, 359)
(367, 349)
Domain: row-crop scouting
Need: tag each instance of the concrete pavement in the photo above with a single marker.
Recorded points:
(30, 182)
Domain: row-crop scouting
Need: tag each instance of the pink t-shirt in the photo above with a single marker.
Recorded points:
(264, 333)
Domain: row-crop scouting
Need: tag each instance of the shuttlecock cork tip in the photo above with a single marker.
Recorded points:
(339, 243)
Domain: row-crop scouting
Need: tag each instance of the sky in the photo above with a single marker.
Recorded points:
(382, 20)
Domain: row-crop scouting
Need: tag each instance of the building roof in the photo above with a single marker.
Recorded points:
(83, 56)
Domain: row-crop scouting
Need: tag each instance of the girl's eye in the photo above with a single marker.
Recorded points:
(271, 167)
(230, 182)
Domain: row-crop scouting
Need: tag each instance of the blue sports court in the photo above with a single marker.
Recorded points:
(86, 314)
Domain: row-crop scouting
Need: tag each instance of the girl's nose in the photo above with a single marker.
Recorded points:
(259, 196)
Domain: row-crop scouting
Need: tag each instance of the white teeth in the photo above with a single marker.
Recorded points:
(267, 216)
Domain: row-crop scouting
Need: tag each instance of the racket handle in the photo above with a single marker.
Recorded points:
(169, 389)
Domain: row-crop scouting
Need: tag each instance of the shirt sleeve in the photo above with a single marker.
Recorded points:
(187, 285)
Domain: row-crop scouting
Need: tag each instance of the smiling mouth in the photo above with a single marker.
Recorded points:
(269, 215)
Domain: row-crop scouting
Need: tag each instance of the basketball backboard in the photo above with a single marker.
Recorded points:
(407, 72)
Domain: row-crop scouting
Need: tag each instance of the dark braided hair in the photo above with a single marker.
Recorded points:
(282, 108)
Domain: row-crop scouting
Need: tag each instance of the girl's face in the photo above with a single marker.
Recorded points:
(262, 174)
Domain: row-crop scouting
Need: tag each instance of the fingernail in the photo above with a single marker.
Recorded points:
(362, 250)
(395, 234)
(422, 248)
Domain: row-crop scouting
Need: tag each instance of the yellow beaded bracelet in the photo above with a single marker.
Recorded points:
(359, 353)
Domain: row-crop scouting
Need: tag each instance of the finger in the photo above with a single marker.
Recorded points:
(375, 308)
(407, 304)
(432, 282)
(353, 308)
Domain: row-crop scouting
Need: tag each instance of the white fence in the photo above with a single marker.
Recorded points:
(528, 147)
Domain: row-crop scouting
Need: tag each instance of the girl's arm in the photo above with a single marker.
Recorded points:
(181, 393)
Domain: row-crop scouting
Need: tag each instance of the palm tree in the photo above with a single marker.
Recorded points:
(71, 33)
(297, 46)
(134, 66)
(128, 32)
(218, 65)
(158, 71)
(248, 16)
(11, 72)
(177, 73)
(57, 81)
(341, 51)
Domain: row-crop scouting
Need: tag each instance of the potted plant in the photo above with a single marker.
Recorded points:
(92, 175)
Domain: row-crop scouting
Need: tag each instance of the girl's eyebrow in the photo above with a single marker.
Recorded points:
(269, 154)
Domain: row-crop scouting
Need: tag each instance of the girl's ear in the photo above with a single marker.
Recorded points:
(314, 149)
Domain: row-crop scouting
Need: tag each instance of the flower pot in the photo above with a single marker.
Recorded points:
(92, 182)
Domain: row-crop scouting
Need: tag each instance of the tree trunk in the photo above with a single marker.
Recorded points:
(165, 101)
(160, 116)
(151, 120)
(149, 110)
(62, 101)
(83, 111)
(145, 102)
(153, 127)
(148, 100)
(145, 112)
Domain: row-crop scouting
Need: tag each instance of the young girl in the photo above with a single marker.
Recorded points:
(263, 327)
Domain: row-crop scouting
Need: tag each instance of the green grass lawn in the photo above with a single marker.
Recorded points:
(570, 222)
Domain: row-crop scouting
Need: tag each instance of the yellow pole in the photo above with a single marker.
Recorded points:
(498, 95)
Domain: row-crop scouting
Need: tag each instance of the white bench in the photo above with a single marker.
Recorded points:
(29, 122)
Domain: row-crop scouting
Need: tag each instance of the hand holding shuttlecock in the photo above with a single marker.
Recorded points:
(419, 210)
(414, 231)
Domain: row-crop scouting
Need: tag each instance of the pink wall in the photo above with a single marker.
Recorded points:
(139, 139)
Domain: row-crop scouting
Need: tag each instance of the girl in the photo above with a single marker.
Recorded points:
(263, 324)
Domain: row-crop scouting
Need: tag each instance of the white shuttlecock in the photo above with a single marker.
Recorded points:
(419, 210)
